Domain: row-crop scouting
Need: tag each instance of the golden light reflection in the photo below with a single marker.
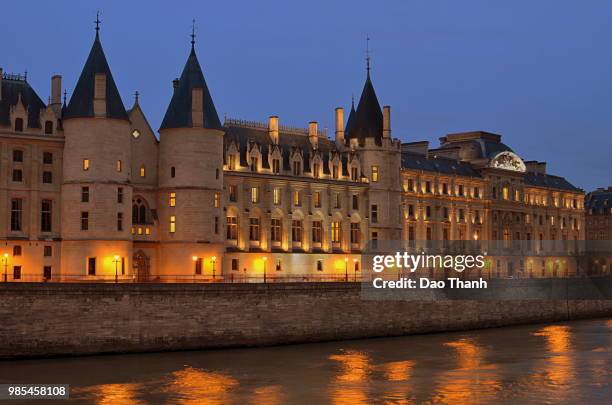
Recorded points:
(349, 386)
(473, 380)
(198, 386)
(398, 370)
(268, 395)
(111, 394)
(559, 367)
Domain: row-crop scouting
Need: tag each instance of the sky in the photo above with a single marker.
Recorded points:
(537, 72)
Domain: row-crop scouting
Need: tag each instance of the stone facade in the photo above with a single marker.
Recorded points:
(89, 191)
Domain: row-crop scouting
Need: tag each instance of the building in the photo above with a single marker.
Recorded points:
(599, 228)
(91, 193)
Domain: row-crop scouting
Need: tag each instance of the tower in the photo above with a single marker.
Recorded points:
(191, 178)
(368, 131)
(96, 190)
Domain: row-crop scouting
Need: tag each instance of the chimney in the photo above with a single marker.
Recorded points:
(339, 126)
(56, 93)
(1, 74)
(100, 95)
(386, 121)
(175, 83)
(312, 134)
(273, 129)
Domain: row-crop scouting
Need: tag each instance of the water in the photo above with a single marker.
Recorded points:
(556, 363)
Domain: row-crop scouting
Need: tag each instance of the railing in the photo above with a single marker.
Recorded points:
(263, 125)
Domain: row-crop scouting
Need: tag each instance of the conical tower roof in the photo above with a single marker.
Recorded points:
(179, 113)
(350, 120)
(82, 101)
(368, 121)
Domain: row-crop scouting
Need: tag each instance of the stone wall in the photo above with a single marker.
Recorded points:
(70, 319)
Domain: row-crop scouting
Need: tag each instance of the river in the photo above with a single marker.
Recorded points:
(554, 363)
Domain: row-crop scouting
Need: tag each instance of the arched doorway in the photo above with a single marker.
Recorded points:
(141, 266)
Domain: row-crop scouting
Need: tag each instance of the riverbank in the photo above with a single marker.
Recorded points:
(81, 319)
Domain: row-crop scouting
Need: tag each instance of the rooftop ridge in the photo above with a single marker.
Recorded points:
(263, 125)
(14, 76)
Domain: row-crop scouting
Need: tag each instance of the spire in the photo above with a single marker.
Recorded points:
(97, 22)
(82, 100)
(179, 113)
(351, 118)
(136, 97)
(193, 34)
(368, 56)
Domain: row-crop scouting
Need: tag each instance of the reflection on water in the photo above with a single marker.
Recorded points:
(559, 363)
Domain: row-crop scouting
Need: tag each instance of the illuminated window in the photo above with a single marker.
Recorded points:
(142, 171)
(276, 166)
(297, 198)
(315, 170)
(217, 201)
(172, 223)
(375, 173)
(118, 165)
(297, 167)
(506, 192)
(254, 195)
(85, 164)
(135, 133)
(317, 199)
(296, 230)
(172, 199)
(276, 196)
(232, 162)
(317, 231)
(335, 231)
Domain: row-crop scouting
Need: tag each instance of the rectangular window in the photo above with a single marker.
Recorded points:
(428, 186)
(232, 162)
(120, 195)
(47, 177)
(172, 199)
(317, 199)
(47, 158)
(276, 166)
(17, 250)
(172, 223)
(296, 230)
(142, 171)
(233, 193)
(47, 272)
(217, 201)
(84, 221)
(275, 230)
(254, 195)
(17, 155)
(91, 266)
(119, 165)
(444, 188)
(16, 214)
(297, 167)
(336, 231)
(276, 196)
(235, 265)
(427, 212)
(354, 174)
(355, 202)
(410, 211)
(17, 175)
(216, 225)
(279, 266)
(317, 231)
(335, 172)
(16, 272)
(198, 266)
(84, 194)
(337, 201)
(45, 216)
(319, 265)
(461, 190)
(375, 174)
(476, 192)
(315, 170)
(254, 229)
(355, 233)
(85, 164)
(48, 251)
(410, 184)
(254, 163)
(120, 221)
(232, 228)
(297, 198)
(374, 213)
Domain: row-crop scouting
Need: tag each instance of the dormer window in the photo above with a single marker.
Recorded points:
(254, 162)
(335, 172)
(232, 162)
(276, 166)
(354, 174)
(18, 124)
(48, 127)
(315, 170)
(297, 168)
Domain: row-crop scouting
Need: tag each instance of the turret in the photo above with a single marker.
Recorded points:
(191, 176)
(96, 188)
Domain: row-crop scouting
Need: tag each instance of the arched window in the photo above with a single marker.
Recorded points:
(139, 212)
(48, 127)
(19, 124)
(172, 172)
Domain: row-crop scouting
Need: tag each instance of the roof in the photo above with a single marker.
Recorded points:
(179, 113)
(444, 165)
(549, 181)
(368, 122)
(13, 87)
(350, 120)
(600, 201)
(82, 101)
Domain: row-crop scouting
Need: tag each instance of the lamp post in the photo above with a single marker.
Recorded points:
(195, 263)
(265, 259)
(214, 259)
(346, 269)
(355, 268)
(5, 261)
(116, 261)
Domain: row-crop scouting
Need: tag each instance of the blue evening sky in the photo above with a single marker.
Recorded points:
(537, 72)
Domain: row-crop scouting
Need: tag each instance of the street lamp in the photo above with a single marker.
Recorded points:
(214, 259)
(116, 261)
(265, 259)
(195, 266)
(346, 269)
(355, 268)
(5, 261)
